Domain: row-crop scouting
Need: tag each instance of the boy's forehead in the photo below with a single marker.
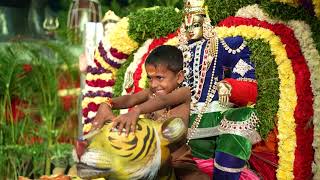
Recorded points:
(159, 68)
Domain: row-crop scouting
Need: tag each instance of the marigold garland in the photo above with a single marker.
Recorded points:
(119, 38)
(288, 97)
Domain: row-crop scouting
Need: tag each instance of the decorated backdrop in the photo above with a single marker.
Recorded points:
(285, 42)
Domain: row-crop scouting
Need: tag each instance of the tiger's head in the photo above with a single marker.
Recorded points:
(137, 156)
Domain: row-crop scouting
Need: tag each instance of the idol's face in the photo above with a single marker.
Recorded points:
(195, 29)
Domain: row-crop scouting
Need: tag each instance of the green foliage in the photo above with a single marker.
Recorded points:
(286, 13)
(29, 73)
(268, 85)
(219, 10)
(117, 88)
(29, 160)
(153, 23)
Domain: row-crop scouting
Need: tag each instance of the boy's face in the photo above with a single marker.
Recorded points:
(162, 80)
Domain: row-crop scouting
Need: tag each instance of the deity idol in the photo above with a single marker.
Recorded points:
(222, 81)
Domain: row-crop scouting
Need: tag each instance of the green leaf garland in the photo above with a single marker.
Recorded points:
(153, 23)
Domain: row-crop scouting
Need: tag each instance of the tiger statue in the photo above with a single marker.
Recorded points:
(140, 155)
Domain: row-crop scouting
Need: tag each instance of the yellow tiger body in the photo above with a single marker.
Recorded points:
(142, 155)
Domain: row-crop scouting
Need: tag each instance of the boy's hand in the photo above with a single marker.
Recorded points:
(104, 114)
(127, 121)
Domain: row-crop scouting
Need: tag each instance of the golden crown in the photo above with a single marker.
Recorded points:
(194, 7)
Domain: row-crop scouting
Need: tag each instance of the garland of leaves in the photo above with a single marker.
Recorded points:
(153, 23)
(117, 88)
(268, 84)
(219, 10)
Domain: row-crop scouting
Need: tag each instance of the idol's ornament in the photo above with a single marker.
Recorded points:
(220, 75)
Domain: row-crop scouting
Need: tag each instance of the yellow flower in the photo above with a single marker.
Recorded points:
(104, 76)
(119, 38)
(87, 127)
(144, 78)
(173, 41)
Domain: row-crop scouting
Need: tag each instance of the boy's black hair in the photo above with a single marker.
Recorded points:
(167, 55)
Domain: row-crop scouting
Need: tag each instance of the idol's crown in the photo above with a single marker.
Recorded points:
(194, 7)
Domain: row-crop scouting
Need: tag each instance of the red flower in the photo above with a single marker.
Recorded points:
(68, 102)
(16, 112)
(27, 67)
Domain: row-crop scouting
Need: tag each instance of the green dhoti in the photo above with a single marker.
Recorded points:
(235, 133)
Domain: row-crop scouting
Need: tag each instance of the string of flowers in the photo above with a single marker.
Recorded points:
(119, 38)
(288, 97)
(101, 78)
(302, 32)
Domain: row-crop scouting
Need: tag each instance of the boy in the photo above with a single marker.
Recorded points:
(162, 100)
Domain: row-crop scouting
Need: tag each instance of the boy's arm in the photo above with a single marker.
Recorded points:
(104, 112)
(176, 97)
(128, 101)
(128, 120)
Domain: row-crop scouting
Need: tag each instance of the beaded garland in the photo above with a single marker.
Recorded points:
(233, 51)
(199, 77)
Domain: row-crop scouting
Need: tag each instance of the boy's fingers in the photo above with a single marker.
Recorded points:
(121, 125)
(133, 127)
(127, 128)
(115, 123)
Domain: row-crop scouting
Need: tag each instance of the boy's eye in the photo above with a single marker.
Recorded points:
(160, 77)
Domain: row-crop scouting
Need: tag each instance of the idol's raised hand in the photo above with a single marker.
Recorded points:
(224, 92)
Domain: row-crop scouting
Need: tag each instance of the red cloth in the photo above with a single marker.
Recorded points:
(243, 92)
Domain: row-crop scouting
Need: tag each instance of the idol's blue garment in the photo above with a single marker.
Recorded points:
(229, 150)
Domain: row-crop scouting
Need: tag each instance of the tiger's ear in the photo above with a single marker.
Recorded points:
(173, 129)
